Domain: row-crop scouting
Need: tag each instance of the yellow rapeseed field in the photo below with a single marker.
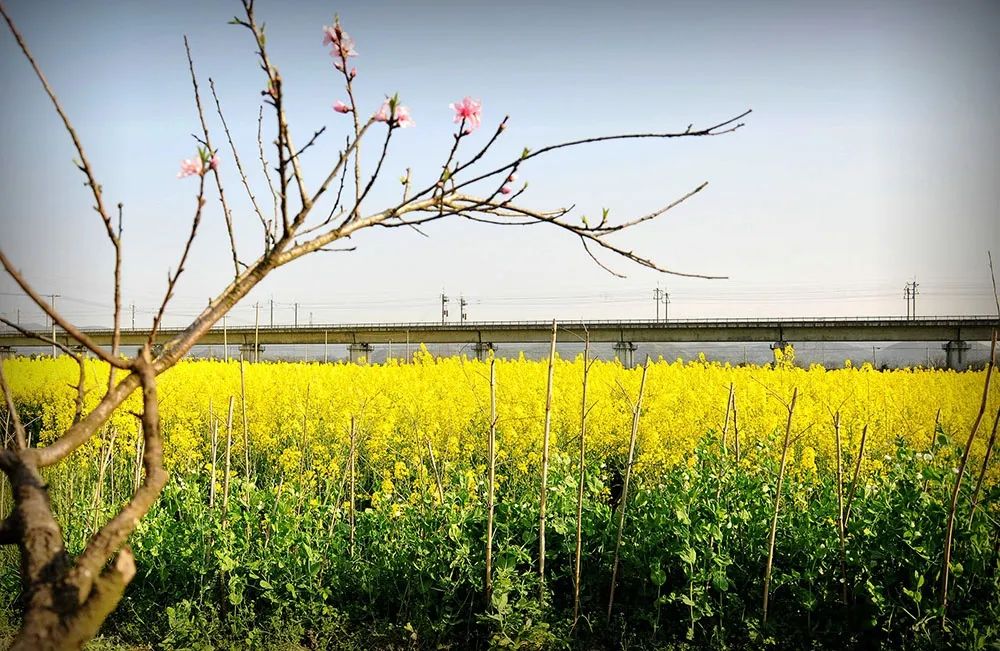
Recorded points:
(298, 414)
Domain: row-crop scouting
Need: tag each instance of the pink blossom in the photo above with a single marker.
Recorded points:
(400, 117)
(343, 46)
(506, 189)
(403, 118)
(191, 167)
(470, 110)
(340, 107)
(341, 40)
(213, 164)
(512, 177)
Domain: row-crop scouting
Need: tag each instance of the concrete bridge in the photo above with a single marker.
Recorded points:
(953, 331)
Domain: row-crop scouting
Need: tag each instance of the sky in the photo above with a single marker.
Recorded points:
(870, 160)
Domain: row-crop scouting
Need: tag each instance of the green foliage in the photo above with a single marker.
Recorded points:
(274, 568)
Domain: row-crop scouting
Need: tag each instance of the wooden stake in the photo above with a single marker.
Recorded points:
(246, 429)
(545, 470)
(857, 473)
(986, 462)
(628, 475)
(215, 454)
(840, 507)
(351, 460)
(437, 475)
(491, 453)
(581, 477)
(958, 480)
(229, 449)
(736, 432)
(777, 501)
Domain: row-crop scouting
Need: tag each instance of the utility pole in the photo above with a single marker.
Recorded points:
(296, 315)
(913, 295)
(666, 306)
(256, 332)
(462, 304)
(225, 336)
(133, 316)
(657, 295)
(906, 296)
(910, 294)
(310, 318)
(52, 302)
(272, 312)
(444, 308)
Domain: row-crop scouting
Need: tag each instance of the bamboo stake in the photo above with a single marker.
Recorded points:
(958, 480)
(777, 502)
(491, 452)
(545, 470)
(725, 450)
(986, 462)
(305, 437)
(215, 455)
(246, 430)
(628, 475)
(350, 510)
(857, 472)
(229, 449)
(725, 424)
(437, 475)
(736, 431)
(580, 483)
(840, 507)
(140, 447)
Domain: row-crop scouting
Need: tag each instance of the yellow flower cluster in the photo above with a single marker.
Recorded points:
(434, 413)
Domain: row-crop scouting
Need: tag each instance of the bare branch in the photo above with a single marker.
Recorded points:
(172, 280)
(113, 534)
(80, 385)
(211, 152)
(116, 332)
(20, 437)
(84, 164)
(70, 329)
(268, 234)
(236, 156)
(312, 141)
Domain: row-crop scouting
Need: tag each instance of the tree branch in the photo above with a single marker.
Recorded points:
(211, 152)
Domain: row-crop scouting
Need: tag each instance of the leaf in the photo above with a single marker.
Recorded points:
(657, 575)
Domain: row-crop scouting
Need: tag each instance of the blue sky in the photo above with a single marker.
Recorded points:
(871, 157)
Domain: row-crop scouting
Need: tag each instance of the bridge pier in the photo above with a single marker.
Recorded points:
(954, 354)
(358, 353)
(250, 352)
(625, 353)
(483, 350)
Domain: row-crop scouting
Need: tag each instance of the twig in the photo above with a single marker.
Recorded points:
(211, 152)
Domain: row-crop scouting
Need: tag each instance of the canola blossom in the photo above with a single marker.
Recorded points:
(402, 410)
